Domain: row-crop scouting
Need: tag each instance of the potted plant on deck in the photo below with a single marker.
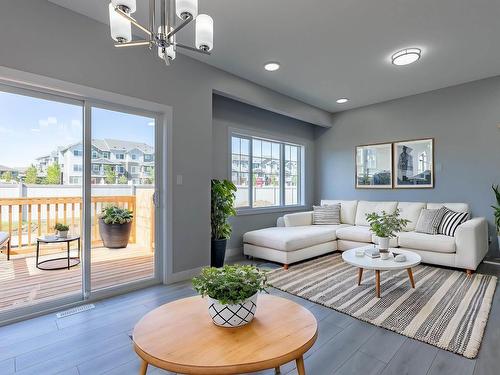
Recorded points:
(62, 230)
(385, 226)
(222, 208)
(232, 293)
(115, 224)
(496, 210)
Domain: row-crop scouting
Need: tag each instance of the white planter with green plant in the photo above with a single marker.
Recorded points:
(62, 230)
(496, 210)
(385, 226)
(232, 293)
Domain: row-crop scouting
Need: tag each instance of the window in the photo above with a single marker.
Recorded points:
(120, 156)
(105, 154)
(96, 168)
(148, 157)
(133, 169)
(134, 156)
(77, 153)
(95, 154)
(77, 168)
(75, 180)
(120, 169)
(267, 173)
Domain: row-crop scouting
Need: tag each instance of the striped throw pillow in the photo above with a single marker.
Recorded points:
(450, 222)
(326, 215)
(429, 220)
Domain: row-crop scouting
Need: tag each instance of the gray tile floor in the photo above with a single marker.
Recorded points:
(98, 342)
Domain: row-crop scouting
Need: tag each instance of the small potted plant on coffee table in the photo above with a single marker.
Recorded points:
(62, 230)
(115, 224)
(232, 293)
(385, 226)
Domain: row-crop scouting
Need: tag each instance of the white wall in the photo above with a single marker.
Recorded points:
(45, 39)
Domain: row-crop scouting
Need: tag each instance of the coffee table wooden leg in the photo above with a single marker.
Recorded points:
(277, 370)
(377, 283)
(360, 276)
(410, 275)
(144, 368)
(301, 370)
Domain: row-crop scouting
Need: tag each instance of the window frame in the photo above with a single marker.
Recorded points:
(250, 135)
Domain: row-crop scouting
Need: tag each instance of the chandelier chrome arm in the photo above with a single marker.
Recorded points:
(184, 23)
(192, 49)
(141, 42)
(133, 20)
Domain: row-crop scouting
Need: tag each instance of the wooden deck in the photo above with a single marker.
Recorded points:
(22, 284)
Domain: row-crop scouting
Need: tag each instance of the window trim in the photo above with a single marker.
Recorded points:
(282, 140)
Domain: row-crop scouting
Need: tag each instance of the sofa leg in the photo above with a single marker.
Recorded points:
(285, 266)
(469, 272)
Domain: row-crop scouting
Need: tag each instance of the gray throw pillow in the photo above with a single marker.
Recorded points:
(429, 220)
(326, 215)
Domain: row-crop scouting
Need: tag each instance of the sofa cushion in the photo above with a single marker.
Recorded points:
(450, 222)
(347, 210)
(326, 215)
(355, 233)
(298, 219)
(292, 238)
(458, 207)
(422, 241)
(366, 207)
(410, 211)
(429, 220)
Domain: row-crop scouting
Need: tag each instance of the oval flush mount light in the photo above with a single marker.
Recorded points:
(406, 56)
(272, 66)
(342, 100)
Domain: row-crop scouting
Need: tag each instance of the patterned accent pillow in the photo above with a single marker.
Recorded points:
(326, 215)
(450, 222)
(429, 220)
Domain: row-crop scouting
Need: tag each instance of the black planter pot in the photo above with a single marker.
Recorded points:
(115, 236)
(218, 253)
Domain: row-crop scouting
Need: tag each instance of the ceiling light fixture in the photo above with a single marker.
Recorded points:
(163, 36)
(272, 66)
(342, 100)
(406, 56)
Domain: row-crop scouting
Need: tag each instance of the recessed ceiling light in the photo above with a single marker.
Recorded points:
(406, 56)
(272, 66)
(342, 100)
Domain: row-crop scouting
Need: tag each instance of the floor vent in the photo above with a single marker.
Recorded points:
(75, 310)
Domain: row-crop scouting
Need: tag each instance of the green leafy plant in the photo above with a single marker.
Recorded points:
(31, 175)
(61, 227)
(7, 176)
(386, 225)
(230, 284)
(109, 175)
(53, 174)
(116, 215)
(222, 208)
(496, 209)
(123, 180)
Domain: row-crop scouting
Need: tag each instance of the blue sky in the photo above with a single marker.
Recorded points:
(32, 127)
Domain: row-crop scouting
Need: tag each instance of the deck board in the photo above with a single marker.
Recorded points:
(22, 284)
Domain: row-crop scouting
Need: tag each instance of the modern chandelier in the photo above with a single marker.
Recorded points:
(163, 37)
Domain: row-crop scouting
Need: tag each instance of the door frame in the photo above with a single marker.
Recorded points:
(44, 86)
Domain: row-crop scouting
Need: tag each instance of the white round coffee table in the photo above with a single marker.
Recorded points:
(377, 264)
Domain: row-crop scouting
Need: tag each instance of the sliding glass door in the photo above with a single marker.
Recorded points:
(77, 200)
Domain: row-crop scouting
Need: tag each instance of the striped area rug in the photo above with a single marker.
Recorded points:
(447, 309)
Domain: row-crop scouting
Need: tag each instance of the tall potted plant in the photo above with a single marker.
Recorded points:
(385, 226)
(222, 208)
(496, 210)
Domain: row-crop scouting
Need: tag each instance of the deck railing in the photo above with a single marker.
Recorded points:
(26, 218)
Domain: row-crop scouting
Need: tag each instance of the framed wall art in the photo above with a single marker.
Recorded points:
(413, 164)
(374, 166)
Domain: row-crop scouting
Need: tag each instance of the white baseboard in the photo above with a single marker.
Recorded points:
(183, 275)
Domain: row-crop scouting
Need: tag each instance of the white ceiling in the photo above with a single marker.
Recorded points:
(331, 49)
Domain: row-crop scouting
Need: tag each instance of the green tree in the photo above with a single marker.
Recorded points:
(122, 180)
(31, 175)
(7, 176)
(53, 175)
(109, 174)
(151, 176)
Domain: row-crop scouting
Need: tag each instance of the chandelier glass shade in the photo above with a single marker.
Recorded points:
(162, 34)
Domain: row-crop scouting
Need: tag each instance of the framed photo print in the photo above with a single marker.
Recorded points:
(414, 164)
(374, 166)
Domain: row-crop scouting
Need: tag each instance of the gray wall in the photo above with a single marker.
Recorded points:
(463, 120)
(42, 38)
(227, 114)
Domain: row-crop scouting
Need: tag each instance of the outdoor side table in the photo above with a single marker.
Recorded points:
(71, 261)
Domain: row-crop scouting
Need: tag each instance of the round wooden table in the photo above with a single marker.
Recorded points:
(181, 337)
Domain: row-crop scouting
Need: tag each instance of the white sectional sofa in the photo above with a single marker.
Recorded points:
(295, 238)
